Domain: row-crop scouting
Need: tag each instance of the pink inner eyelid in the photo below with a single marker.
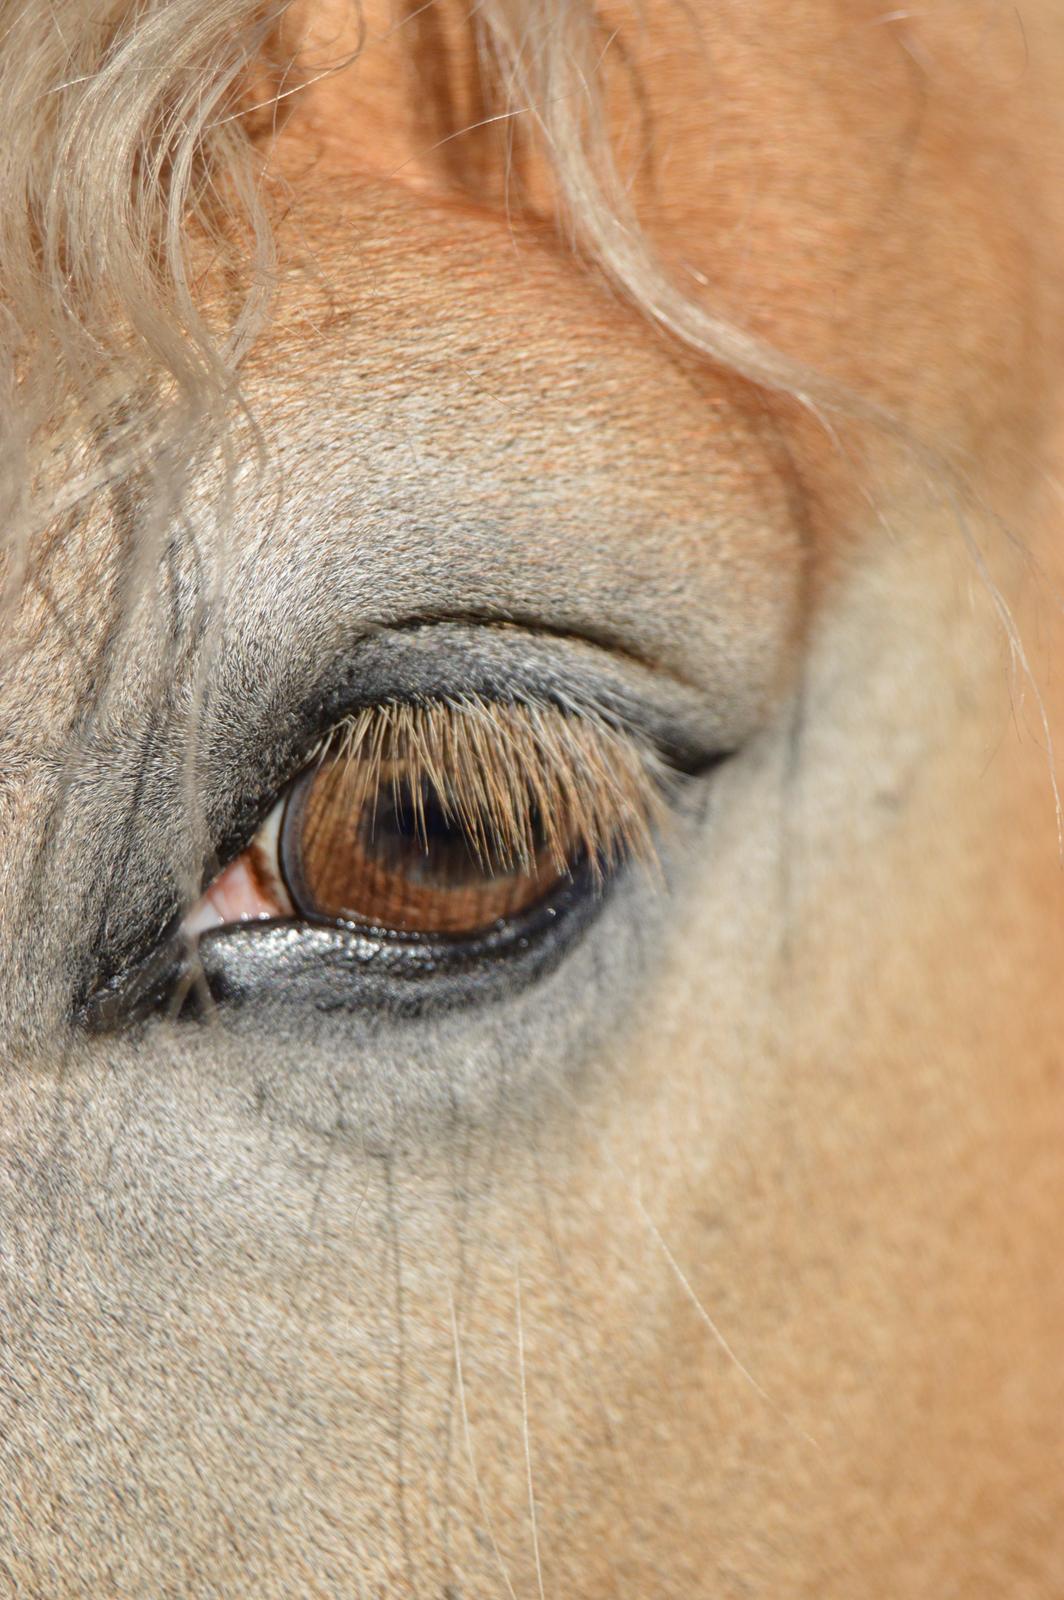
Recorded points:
(234, 896)
(247, 890)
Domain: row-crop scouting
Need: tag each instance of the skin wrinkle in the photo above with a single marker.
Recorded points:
(259, 1322)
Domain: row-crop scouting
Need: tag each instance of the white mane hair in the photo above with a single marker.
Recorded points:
(134, 149)
(135, 171)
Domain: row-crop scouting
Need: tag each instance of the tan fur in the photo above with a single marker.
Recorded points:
(729, 1264)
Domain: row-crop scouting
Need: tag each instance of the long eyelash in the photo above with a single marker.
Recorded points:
(516, 776)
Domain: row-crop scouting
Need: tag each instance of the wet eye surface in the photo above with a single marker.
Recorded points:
(430, 842)
(431, 851)
(447, 820)
(405, 859)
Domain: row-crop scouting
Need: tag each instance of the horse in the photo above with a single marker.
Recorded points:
(531, 843)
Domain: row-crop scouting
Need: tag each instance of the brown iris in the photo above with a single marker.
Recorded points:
(403, 858)
(446, 817)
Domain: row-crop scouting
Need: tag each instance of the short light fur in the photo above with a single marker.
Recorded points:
(721, 1257)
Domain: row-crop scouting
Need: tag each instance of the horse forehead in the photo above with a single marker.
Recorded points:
(406, 307)
(805, 174)
(861, 189)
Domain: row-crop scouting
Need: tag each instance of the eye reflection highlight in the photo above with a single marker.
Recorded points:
(404, 859)
(445, 818)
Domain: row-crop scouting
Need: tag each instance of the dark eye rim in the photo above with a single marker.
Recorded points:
(343, 967)
(134, 978)
(348, 968)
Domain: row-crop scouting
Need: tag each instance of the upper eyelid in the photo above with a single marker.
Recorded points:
(507, 660)
(449, 658)
(629, 826)
(247, 754)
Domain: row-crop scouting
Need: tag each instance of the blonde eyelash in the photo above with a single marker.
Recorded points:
(516, 776)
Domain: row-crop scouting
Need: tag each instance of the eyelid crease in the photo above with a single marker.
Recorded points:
(516, 776)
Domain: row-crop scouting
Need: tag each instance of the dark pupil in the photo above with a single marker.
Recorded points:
(426, 840)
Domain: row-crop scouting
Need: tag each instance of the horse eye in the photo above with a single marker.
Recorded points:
(407, 857)
(443, 821)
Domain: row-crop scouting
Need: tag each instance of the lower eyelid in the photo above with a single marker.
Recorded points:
(339, 970)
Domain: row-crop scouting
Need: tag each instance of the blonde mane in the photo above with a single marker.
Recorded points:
(136, 142)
